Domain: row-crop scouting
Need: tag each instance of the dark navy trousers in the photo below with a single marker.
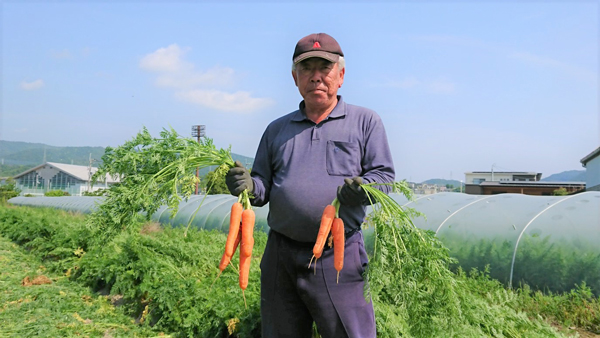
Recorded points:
(294, 295)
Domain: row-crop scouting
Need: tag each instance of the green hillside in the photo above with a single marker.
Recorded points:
(16, 157)
(567, 176)
(442, 182)
(32, 154)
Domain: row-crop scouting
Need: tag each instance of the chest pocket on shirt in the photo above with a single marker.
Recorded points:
(343, 158)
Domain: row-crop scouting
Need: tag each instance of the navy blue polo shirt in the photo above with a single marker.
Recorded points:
(299, 165)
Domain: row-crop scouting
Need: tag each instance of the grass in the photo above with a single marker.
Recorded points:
(57, 307)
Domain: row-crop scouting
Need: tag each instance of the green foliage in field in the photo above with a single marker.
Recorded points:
(165, 281)
(99, 192)
(56, 193)
(172, 276)
(163, 276)
(60, 308)
(546, 265)
(578, 307)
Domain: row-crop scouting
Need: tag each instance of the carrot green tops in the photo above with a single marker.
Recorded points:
(299, 166)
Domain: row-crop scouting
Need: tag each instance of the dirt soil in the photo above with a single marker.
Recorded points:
(586, 334)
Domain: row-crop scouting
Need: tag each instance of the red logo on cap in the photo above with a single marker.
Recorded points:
(316, 44)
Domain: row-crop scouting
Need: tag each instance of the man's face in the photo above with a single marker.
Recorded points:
(318, 81)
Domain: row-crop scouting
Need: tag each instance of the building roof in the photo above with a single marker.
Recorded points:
(531, 184)
(80, 172)
(590, 156)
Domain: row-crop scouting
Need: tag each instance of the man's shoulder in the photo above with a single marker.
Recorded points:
(287, 118)
(294, 115)
(361, 113)
(359, 109)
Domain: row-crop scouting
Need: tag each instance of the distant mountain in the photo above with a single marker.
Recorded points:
(442, 182)
(16, 157)
(566, 176)
(32, 154)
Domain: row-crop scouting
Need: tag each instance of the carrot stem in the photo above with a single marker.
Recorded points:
(213, 283)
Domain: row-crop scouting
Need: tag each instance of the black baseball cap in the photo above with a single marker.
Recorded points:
(319, 45)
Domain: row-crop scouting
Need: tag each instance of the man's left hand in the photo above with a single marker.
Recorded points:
(351, 193)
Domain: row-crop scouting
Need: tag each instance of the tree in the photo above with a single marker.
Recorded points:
(215, 184)
(560, 192)
(9, 190)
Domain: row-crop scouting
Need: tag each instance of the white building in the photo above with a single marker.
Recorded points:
(74, 179)
(477, 177)
(591, 163)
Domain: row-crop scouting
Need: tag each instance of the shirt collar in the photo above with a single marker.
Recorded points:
(338, 111)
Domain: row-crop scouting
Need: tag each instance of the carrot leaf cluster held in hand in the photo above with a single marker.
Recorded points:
(153, 172)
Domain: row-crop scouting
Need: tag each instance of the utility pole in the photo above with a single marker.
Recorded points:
(89, 185)
(198, 131)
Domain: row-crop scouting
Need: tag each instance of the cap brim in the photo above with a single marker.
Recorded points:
(317, 54)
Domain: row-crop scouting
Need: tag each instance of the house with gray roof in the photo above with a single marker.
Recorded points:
(74, 179)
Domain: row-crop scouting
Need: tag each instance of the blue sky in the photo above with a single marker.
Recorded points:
(460, 86)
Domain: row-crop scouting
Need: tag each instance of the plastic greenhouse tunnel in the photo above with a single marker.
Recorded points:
(550, 243)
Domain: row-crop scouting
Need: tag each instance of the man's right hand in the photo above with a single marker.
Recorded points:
(238, 179)
(351, 193)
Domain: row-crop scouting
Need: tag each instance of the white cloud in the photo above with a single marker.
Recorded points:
(240, 101)
(37, 84)
(204, 88)
(165, 60)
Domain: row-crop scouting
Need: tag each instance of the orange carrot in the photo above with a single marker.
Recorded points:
(234, 226)
(244, 270)
(226, 259)
(244, 273)
(326, 221)
(339, 240)
(248, 218)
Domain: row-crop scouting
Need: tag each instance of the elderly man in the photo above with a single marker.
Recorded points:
(305, 159)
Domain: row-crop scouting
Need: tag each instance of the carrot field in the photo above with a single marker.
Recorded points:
(152, 281)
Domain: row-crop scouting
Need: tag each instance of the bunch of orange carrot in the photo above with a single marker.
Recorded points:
(331, 224)
(241, 230)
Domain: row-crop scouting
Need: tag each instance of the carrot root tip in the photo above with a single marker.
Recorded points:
(311, 259)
